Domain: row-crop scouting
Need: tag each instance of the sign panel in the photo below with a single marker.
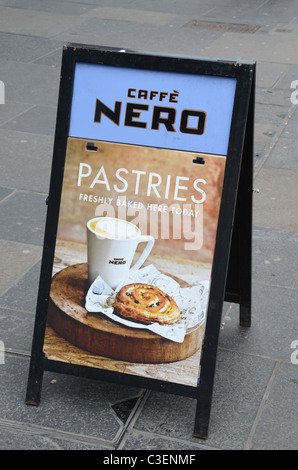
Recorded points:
(142, 219)
(143, 188)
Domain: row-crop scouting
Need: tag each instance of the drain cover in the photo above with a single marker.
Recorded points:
(227, 27)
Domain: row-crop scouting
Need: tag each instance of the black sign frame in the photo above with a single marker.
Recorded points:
(231, 274)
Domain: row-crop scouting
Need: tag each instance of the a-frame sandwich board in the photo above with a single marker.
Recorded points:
(178, 106)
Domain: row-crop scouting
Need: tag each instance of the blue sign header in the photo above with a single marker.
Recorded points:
(152, 108)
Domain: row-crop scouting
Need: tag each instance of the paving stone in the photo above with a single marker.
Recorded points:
(22, 295)
(24, 213)
(37, 120)
(270, 121)
(284, 12)
(31, 155)
(239, 387)
(263, 13)
(290, 131)
(35, 23)
(53, 59)
(276, 96)
(269, 74)
(55, 6)
(124, 14)
(240, 14)
(149, 441)
(278, 426)
(173, 6)
(259, 47)
(274, 115)
(287, 78)
(109, 3)
(122, 34)
(4, 192)
(11, 110)
(30, 83)
(16, 259)
(274, 325)
(16, 330)
(275, 205)
(61, 395)
(22, 48)
(17, 437)
(294, 21)
(284, 154)
(275, 257)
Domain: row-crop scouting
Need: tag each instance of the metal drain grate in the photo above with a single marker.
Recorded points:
(227, 27)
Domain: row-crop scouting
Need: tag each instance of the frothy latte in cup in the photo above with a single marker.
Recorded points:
(111, 246)
(109, 227)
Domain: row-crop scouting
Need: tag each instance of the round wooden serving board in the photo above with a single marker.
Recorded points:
(97, 334)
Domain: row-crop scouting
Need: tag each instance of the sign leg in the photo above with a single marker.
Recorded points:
(238, 285)
(36, 367)
(34, 384)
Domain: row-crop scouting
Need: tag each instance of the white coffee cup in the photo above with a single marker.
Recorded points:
(111, 246)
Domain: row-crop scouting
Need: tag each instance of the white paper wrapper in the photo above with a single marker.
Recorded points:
(192, 302)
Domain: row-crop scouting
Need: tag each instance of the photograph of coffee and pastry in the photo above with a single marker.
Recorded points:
(133, 259)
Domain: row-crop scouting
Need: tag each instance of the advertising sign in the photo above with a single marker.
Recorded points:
(145, 153)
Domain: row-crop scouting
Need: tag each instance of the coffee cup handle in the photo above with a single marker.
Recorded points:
(144, 255)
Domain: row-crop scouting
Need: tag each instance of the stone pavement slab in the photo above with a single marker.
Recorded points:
(31, 155)
(137, 16)
(36, 120)
(274, 325)
(268, 74)
(11, 110)
(174, 6)
(35, 23)
(261, 13)
(17, 328)
(284, 154)
(272, 96)
(16, 259)
(30, 83)
(260, 47)
(73, 410)
(276, 208)
(241, 382)
(23, 48)
(277, 428)
(273, 260)
(24, 213)
(22, 295)
(57, 7)
(154, 37)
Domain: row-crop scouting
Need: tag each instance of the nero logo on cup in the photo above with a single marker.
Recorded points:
(111, 246)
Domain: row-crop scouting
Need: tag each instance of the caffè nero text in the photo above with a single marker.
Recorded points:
(176, 188)
(144, 116)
